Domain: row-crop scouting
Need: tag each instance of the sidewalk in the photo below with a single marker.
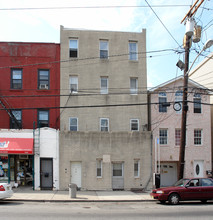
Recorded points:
(27, 194)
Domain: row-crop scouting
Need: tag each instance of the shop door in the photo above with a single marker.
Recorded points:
(76, 173)
(46, 173)
(118, 176)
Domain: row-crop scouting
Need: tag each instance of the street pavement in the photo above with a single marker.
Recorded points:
(28, 194)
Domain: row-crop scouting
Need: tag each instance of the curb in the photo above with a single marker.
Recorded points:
(72, 201)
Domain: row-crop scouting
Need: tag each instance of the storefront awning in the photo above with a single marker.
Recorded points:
(16, 145)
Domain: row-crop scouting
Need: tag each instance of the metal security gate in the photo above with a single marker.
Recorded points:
(118, 176)
(46, 173)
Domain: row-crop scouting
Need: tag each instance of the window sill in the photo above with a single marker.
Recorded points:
(16, 90)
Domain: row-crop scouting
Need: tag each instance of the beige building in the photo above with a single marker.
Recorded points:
(104, 142)
(166, 129)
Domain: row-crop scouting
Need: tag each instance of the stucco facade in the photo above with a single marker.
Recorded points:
(166, 124)
(202, 73)
(102, 91)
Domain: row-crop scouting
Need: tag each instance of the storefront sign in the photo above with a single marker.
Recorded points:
(16, 145)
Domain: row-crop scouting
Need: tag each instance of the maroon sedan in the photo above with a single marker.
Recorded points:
(185, 189)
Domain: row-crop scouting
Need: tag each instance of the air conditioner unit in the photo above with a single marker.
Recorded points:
(43, 86)
(23, 156)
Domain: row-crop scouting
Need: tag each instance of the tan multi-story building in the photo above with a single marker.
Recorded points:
(104, 142)
(166, 129)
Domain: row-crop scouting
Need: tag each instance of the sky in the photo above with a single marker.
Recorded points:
(40, 20)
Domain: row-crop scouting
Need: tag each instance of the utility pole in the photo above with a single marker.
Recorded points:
(181, 166)
(184, 110)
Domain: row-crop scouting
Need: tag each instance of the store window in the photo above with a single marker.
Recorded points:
(3, 169)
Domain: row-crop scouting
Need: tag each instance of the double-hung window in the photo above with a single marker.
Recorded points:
(197, 136)
(43, 79)
(162, 100)
(73, 84)
(163, 135)
(197, 103)
(16, 79)
(43, 118)
(133, 85)
(104, 85)
(136, 168)
(104, 49)
(177, 136)
(16, 123)
(133, 50)
(73, 124)
(99, 168)
(104, 124)
(73, 47)
(134, 124)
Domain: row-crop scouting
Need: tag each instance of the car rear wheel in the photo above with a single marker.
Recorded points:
(174, 199)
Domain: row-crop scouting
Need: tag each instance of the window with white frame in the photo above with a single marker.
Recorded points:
(99, 168)
(197, 103)
(104, 85)
(133, 85)
(73, 48)
(162, 100)
(163, 135)
(197, 136)
(134, 124)
(73, 84)
(16, 79)
(133, 50)
(104, 124)
(43, 79)
(136, 168)
(73, 124)
(104, 49)
(177, 136)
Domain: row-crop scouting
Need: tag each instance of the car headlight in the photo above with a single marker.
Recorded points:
(159, 192)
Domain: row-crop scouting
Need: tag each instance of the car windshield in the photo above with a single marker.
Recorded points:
(181, 182)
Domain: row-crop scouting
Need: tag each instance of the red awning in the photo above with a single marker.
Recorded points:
(16, 145)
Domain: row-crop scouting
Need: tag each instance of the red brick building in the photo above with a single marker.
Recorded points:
(29, 85)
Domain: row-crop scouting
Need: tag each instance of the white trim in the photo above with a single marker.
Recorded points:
(107, 123)
(138, 162)
(137, 123)
(70, 123)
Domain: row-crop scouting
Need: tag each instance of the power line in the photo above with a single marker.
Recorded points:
(162, 23)
(89, 58)
(91, 7)
(106, 106)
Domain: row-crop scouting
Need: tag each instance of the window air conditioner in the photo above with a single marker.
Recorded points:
(43, 86)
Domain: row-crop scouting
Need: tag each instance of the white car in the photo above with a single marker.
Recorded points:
(5, 191)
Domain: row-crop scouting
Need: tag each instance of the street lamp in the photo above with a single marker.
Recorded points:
(207, 45)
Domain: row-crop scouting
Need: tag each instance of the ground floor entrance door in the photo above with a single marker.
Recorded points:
(198, 168)
(46, 173)
(76, 173)
(168, 174)
(118, 176)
